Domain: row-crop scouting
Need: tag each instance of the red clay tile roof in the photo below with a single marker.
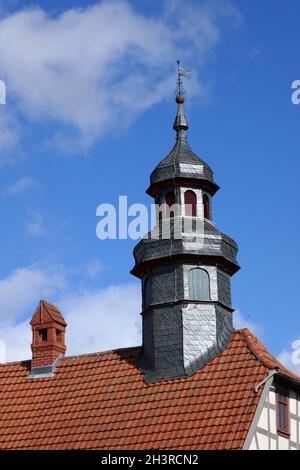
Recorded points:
(100, 401)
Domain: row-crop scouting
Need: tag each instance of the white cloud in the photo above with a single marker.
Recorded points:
(291, 358)
(95, 68)
(9, 132)
(22, 185)
(15, 341)
(20, 289)
(98, 319)
(102, 319)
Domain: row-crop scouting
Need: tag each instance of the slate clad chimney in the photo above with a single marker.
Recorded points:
(48, 338)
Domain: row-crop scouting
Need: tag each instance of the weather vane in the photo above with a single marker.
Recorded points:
(181, 72)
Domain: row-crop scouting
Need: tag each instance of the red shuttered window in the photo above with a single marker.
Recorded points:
(283, 415)
(206, 207)
(170, 201)
(190, 202)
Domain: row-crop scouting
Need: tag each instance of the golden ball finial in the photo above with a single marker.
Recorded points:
(180, 99)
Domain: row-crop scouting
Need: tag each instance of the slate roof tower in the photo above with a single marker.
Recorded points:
(186, 275)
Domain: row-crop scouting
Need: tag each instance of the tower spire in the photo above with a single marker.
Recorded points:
(180, 123)
(186, 270)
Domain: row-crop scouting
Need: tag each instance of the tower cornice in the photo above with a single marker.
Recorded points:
(204, 184)
(184, 303)
(228, 266)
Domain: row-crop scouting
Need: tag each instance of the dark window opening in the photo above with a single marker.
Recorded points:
(43, 334)
(283, 417)
(58, 335)
(190, 202)
(206, 207)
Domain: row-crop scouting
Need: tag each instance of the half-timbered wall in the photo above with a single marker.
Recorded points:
(266, 436)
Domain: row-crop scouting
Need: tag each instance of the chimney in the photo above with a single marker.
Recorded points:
(48, 339)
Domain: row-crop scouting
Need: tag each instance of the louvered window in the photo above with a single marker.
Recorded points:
(283, 416)
(199, 284)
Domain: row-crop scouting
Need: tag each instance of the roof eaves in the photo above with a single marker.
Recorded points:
(293, 379)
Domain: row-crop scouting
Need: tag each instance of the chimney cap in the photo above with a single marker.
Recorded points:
(45, 313)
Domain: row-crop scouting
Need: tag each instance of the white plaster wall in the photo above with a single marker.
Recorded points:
(263, 420)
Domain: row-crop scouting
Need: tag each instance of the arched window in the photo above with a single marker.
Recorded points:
(199, 284)
(206, 206)
(170, 201)
(190, 202)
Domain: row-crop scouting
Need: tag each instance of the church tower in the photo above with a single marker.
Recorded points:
(185, 271)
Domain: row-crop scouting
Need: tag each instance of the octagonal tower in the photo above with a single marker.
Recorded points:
(186, 270)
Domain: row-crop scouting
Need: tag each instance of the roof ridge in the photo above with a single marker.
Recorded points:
(48, 305)
(45, 305)
(263, 354)
(75, 356)
(15, 363)
(249, 339)
(53, 311)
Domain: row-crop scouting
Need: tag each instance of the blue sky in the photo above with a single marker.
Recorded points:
(89, 113)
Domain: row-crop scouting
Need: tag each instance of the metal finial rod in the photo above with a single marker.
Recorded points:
(179, 85)
(181, 72)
